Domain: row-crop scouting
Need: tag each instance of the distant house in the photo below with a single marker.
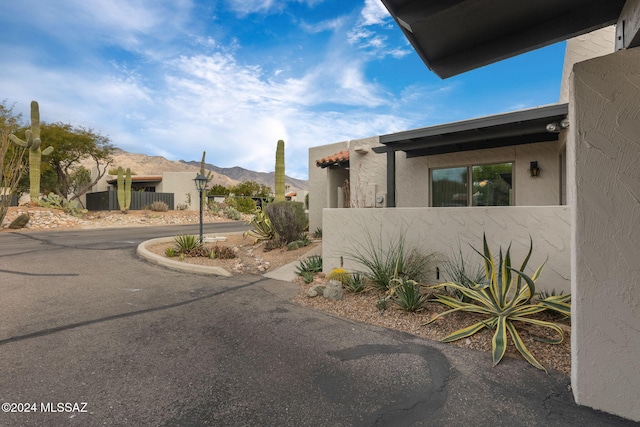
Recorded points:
(180, 185)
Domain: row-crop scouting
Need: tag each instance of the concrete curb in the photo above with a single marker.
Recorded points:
(149, 256)
(285, 273)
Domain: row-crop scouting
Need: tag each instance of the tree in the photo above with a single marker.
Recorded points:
(251, 189)
(219, 190)
(11, 155)
(72, 145)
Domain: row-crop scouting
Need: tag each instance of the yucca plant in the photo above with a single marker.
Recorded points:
(505, 299)
(186, 243)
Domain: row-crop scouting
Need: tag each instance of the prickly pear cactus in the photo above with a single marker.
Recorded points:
(280, 172)
(33, 143)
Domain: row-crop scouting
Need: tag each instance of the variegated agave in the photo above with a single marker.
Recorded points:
(506, 299)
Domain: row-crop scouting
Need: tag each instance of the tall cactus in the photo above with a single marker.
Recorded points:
(124, 189)
(280, 172)
(209, 176)
(33, 142)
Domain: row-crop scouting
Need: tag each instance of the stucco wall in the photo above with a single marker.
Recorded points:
(582, 48)
(440, 230)
(605, 193)
(183, 187)
(318, 184)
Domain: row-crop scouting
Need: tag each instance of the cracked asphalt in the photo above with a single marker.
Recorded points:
(84, 321)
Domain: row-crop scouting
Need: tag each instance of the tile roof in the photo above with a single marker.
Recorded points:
(334, 159)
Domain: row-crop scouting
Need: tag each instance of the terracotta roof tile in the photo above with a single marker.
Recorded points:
(338, 158)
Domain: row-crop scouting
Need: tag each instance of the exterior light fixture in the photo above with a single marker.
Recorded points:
(201, 185)
(534, 169)
(564, 124)
(553, 127)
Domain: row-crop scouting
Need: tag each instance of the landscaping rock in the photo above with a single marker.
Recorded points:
(20, 222)
(333, 290)
(315, 290)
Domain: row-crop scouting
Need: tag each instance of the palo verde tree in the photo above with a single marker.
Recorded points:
(11, 155)
(73, 146)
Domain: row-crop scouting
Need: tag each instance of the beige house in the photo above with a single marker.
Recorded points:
(563, 175)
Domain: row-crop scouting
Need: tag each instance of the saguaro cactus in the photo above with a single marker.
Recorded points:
(124, 189)
(280, 172)
(33, 143)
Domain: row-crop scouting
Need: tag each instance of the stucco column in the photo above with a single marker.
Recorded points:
(604, 184)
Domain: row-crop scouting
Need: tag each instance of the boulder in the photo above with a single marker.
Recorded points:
(333, 290)
(20, 221)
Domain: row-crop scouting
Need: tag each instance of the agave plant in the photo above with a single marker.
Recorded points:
(262, 227)
(505, 299)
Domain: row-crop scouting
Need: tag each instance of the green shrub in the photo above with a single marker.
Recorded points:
(170, 252)
(386, 262)
(504, 299)
(159, 206)
(182, 206)
(318, 233)
(288, 219)
(242, 204)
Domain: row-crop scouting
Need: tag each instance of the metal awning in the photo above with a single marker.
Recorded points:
(518, 127)
(454, 36)
(539, 124)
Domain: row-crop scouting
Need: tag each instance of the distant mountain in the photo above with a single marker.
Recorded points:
(267, 178)
(142, 164)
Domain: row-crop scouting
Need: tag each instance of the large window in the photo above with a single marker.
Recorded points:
(481, 185)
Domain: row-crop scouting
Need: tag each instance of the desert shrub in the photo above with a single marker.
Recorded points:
(182, 206)
(214, 207)
(383, 263)
(243, 204)
(288, 219)
(159, 206)
(312, 264)
(223, 252)
(457, 270)
(232, 213)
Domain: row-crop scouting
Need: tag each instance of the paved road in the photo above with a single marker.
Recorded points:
(83, 320)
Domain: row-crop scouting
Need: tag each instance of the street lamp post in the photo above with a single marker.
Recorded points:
(201, 184)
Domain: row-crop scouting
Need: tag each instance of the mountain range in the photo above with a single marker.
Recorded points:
(142, 164)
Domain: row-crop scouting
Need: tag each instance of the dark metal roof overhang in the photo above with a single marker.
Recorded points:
(515, 128)
(454, 36)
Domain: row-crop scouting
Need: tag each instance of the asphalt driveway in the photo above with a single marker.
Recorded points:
(118, 341)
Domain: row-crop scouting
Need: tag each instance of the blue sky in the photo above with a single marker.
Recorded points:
(176, 77)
